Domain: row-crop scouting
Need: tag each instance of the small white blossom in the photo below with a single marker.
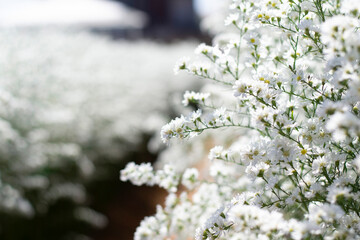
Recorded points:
(231, 19)
(216, 152)
(138, 174)
(193, 97)
(190, 177)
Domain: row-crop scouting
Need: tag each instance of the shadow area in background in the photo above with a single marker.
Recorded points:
(123, 203)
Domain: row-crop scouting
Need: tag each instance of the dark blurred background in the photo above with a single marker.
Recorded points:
(168, 19)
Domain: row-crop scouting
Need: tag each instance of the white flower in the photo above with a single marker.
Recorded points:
(337, 193)
(319, 164)
(308, 25)
(138, 174)
(326, 213)
(173, 129)
(204, 49)
(194, 116)
(350, 7)
(193, 97)
(240, 89)
(181, 64)
(167, 178)
(253, 38)
(190, 177)
(216, 153)
(258, 170)
(231, 19)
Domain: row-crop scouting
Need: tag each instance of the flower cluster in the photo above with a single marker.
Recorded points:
(144, 174)
(292, 69)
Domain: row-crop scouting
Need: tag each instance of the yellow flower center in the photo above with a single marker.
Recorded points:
(303, 151)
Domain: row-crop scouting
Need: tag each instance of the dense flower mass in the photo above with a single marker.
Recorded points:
(292, 68)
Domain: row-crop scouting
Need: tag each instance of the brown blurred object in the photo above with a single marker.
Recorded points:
(127, 210)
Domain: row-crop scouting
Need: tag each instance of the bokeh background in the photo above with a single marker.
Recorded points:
(85, 86)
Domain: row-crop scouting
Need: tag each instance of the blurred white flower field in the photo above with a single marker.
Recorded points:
(71, 104)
